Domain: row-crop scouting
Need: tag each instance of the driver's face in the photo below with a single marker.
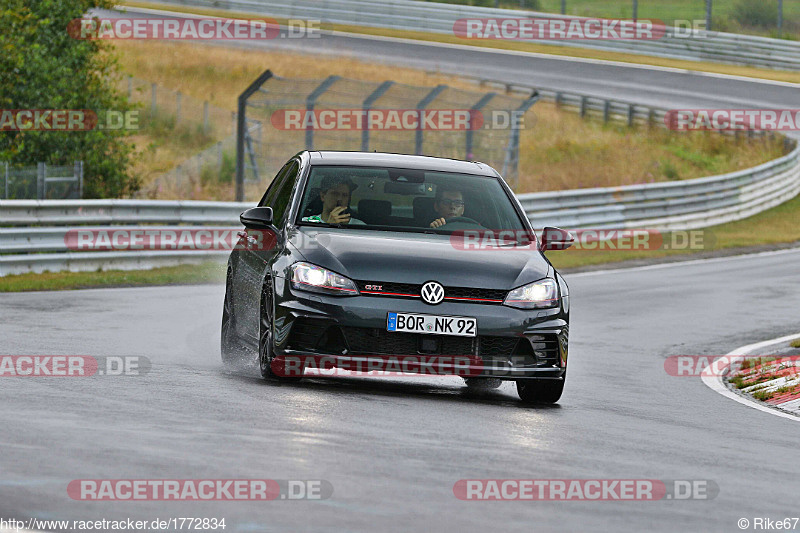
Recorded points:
(335, 197)
(451, 204)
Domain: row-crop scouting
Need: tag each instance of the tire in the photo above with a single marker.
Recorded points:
(266, 344)
(540, 390)
(483, 383)
(231, 347)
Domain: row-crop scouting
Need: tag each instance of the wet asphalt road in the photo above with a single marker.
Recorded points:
(393, 449)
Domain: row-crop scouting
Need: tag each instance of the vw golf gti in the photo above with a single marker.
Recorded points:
(367, 261)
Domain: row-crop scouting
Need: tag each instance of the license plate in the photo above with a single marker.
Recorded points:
(460, 326)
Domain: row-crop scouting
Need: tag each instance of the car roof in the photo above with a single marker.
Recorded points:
(417, 162)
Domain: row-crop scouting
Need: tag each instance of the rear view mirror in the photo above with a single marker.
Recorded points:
(257, 218)
(555, 239)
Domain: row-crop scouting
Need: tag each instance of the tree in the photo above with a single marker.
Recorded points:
(43, 67)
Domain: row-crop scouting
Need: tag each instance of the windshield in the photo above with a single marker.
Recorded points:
(405, 200)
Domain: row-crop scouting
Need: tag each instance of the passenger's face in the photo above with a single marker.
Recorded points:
(451, 205)
(335, 197)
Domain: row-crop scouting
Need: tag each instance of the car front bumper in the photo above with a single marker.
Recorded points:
(349, 332)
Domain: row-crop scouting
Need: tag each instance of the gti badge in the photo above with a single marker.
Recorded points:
(432, 293)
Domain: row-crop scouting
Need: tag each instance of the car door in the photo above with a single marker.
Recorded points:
(262, 247)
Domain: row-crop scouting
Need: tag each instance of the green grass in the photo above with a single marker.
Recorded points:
(55, 281)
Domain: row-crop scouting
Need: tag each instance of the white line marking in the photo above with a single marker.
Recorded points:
(716, 383)
(522, 53)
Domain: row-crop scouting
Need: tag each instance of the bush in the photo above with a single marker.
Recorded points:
(756, 13)
(43, 67)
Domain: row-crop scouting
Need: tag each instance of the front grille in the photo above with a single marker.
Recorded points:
(374, 341)
(318, 336)
(411, 290)
(497, 347)
(306, 334)
(546, 349)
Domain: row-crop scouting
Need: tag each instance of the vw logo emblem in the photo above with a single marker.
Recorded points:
(432, 293)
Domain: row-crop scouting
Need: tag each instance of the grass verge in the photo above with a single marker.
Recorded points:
(57, 281)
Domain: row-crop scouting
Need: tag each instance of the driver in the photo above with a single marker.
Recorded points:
(335, 194)
(449, 203)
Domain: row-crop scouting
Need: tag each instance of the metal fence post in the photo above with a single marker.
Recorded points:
(631, 114)
(6, 173)
(583, 106)
(241, 128)
(153, 102)
(425, 102)
(709, 9)
(219, 156)
(511, 163)
(563, 7)
(635, 10)
(366, 106)
(780, 17)
(311, 101)
(471, 131)
(77, 173)
(40, 181)
(178, 107)
(205, 116)
(606, 111)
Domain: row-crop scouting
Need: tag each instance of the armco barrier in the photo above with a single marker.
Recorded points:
(33, 237)
(666, 206)
(440, 18)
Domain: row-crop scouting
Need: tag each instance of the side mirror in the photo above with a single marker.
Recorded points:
(257, 218)
(555, 239)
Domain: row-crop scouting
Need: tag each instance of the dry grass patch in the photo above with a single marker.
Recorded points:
(559, 150)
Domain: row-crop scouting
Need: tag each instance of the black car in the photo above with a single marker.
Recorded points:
(370, 261)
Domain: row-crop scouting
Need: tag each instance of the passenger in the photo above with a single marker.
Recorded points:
(335, 192)
(449, 203)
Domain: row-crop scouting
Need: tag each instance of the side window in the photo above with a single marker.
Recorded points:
(283, 196)
(266, 200)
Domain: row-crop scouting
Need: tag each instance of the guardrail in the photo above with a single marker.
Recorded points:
(440, 18)
(37, 249)
(679, 205)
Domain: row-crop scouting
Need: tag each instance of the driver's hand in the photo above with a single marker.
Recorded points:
(337, 217)
(438, 223)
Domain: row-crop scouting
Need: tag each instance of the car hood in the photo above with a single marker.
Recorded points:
(380, 256)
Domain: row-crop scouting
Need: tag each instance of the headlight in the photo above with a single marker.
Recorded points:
(312, 278)
(540, 294)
